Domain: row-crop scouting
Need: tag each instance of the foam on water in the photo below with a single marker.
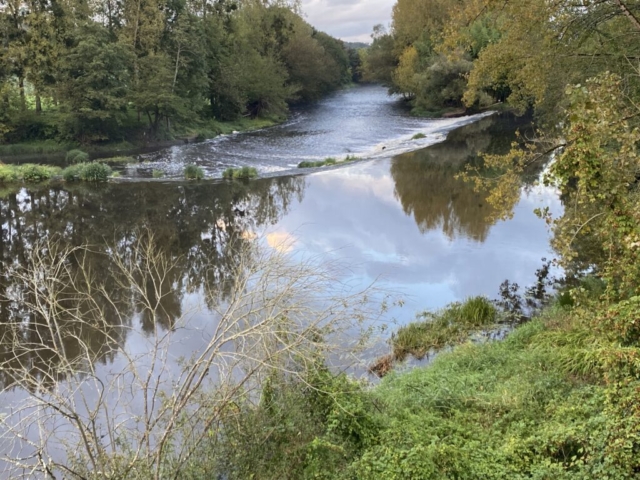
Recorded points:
(363, 122)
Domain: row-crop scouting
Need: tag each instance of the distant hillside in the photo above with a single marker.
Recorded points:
(356, 45)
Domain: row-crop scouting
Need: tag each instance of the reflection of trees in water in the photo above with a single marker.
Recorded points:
(428, 190)
(198, 227)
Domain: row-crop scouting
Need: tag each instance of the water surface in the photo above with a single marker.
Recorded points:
(401, 221)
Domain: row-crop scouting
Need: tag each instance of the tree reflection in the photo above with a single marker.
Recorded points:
(426, 186)
(197, 227)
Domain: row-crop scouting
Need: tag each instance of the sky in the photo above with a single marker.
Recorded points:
(349, 20)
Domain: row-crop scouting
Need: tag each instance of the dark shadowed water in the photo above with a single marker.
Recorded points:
(401, 220)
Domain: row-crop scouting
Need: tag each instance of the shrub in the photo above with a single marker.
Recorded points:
(418, 136)
(193, 172)
(243, 173)
(95, 172)
(157, 174)
(77, 156)
(72, 172)
(31, 173)
(87, 172)
(9, 173)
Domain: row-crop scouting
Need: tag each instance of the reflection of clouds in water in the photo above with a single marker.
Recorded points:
(281, 241)
(355, 216)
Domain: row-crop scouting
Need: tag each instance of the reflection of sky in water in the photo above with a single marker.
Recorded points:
(352, 214)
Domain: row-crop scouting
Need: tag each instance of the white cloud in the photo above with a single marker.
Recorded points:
(350, 20)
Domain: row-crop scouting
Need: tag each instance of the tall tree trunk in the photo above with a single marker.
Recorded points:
(23, 101)
(38, 104)
(175, 73)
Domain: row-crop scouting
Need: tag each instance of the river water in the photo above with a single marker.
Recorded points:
(397, 218)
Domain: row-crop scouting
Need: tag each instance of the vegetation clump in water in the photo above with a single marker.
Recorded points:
(418, 136)
(326, 162)
(157, 173)
(193, 172)
(28, 173)
(87, 172)
(244, 173)
(451, 325)
(76, 156)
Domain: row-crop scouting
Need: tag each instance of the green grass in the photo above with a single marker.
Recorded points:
(42, 147)
(509, 409)
(418, 136)
(494, 411)
(87, 172)
(76, 156)
(449, 326)
(244, 173)
(193, 172)
(327, 161)
(27, 173)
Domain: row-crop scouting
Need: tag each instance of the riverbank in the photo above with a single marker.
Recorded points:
(534, 405)
(53, 152)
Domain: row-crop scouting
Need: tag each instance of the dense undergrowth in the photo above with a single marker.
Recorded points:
(535, 405)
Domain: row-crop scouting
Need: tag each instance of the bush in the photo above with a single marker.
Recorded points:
(76, 156)
(243, 173)
(87, 172)
(157, 174)
(418, 136)
(9, 173)
(31, 173)
(95, 172)
(72, 172)
(193, 172)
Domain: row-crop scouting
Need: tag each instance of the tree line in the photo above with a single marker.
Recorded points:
(114, 70)
(472, 54)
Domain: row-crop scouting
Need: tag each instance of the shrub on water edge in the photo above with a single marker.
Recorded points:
(243, 173)
(87, 172)
(32, 173)
(193, 172)
(418, 136)
(449, 326)
(157, 174)
(76, 156)
(72, 172)
(95, 172)
(9, 173)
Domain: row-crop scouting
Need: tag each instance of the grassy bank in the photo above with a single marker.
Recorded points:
(542, 403)
(46, 150)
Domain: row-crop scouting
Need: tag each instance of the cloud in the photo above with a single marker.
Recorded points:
(350, 20)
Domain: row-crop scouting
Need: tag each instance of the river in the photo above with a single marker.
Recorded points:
(397, 218)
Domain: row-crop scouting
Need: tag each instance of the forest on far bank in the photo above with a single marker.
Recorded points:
(109, 71)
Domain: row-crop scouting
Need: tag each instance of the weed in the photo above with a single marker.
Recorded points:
(87, 172)
(157, 173)
(418, 136)
(193, 172)
(76, 156)
(243, 173)
(449, 326)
